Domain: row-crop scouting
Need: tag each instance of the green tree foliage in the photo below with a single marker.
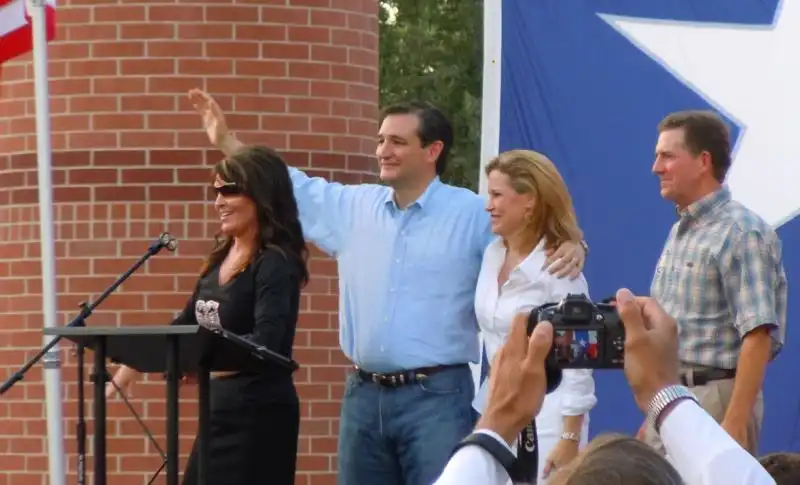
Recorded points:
(432, 50)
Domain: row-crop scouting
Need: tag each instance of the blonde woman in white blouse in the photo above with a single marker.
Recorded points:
(531, 213)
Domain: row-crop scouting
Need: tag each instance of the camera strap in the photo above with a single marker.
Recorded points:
(526, 467)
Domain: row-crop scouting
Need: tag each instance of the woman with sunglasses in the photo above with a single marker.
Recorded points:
(250, 285)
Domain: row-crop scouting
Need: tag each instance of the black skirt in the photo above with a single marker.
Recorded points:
(255, 424)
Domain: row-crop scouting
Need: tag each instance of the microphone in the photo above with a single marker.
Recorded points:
(168, 241)
(165, 240)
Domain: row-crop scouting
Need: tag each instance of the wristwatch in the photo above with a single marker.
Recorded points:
(571, 436)
(663, 399)
(499, 452)
(585, 247)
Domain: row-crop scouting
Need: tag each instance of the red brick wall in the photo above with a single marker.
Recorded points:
(130, 160)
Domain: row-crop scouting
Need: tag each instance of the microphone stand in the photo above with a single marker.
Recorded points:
(147, 432)
(165, 240)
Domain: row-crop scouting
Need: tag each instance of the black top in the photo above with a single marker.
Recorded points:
(261, 303)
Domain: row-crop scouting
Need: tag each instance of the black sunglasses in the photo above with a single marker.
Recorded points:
(226, 190)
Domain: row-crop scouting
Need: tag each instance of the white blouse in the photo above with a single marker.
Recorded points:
(529, 286)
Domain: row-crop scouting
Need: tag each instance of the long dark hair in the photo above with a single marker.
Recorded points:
(261, 175)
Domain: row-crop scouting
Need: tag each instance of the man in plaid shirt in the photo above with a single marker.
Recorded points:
(720, 276)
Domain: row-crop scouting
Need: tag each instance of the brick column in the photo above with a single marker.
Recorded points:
(130, 160)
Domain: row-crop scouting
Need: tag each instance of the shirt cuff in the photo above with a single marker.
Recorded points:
(578, 405)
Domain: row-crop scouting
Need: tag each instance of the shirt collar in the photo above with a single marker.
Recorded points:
(706, 205)
(530, 267)
(423, 199)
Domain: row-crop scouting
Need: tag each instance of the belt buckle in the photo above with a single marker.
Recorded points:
(393, 380)
(689, 378)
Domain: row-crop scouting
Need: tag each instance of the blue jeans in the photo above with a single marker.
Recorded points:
(405, 435)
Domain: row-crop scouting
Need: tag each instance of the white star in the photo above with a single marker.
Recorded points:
(751, 73)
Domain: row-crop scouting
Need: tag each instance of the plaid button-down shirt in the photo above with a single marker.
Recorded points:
(721, 275)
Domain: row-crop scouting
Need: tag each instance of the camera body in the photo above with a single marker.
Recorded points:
(586, 335)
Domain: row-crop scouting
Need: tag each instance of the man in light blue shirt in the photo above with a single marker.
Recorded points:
(409, 255)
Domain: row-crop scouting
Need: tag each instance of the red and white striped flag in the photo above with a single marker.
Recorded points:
(15, 27)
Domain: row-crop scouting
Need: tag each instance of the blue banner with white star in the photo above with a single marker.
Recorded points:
(587, 81)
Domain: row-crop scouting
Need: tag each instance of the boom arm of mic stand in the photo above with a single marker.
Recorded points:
(80, 320)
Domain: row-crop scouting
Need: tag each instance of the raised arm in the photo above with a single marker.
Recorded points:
(326, 208)
(214, 122)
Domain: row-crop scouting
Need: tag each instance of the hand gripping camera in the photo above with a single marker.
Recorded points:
(586, 335)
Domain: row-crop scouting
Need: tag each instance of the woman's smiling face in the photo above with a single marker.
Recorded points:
(237, 212)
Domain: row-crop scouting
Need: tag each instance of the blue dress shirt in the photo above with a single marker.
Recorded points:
(406, 276)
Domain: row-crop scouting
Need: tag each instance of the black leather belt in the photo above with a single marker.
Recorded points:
(701, 377)
(401, 378)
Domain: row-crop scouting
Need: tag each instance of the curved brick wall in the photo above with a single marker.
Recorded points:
(130, 160)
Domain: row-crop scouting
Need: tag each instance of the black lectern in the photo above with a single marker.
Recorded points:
(174, 350)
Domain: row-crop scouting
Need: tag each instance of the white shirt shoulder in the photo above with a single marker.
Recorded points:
(528, 286)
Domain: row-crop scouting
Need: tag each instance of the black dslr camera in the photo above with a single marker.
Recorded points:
(586, 335)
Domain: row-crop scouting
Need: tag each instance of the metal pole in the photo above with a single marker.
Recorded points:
(52, 362)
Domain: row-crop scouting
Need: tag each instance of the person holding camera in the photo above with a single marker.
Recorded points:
(531, 211)
(701, 452)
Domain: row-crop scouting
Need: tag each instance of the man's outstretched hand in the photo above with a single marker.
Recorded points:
(214, 121)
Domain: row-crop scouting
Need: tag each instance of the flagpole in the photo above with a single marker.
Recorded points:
(51, 360)
(490, 114)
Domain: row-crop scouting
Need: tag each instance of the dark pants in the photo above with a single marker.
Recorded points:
(404, 435)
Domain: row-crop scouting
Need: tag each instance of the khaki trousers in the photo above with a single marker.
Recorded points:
(714, 397)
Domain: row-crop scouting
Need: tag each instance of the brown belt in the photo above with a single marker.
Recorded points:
(701, 377)
(401, 378)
